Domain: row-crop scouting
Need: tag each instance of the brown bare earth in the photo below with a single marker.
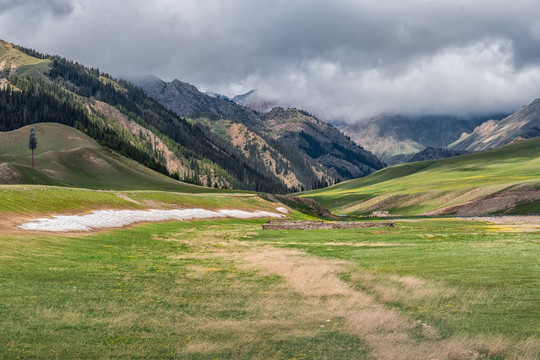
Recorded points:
(242, 137)
(172, 162)
(9, 174)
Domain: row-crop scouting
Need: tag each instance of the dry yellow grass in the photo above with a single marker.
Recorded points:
(387, 332)
(324, 297)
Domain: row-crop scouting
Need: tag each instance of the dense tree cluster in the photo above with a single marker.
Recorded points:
(28, 101)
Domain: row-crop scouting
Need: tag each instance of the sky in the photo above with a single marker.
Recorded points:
(343, 60)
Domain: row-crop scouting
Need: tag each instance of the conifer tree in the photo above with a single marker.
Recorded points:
(32, 143)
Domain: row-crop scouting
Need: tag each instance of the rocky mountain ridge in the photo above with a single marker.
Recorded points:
(496, 133)
(330, 156)
(396, 138)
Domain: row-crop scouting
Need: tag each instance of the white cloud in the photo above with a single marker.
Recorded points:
(344, 59)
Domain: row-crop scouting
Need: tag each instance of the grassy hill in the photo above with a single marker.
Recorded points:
(12, 59)
(67, 157)
(37, 88)
(505, 180)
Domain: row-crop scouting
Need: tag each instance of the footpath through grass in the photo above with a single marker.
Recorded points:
(152, 292)
(459, 276)
(206, 290)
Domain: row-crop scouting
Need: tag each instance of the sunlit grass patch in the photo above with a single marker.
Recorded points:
(457, 276)
(136, 291)
(226, 289)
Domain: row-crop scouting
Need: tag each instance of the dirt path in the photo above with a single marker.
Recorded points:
(386, 331)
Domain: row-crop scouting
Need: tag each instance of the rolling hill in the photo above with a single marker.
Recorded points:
(67, 157)
(504, 180)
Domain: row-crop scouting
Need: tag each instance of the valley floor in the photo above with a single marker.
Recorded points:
(223, 289)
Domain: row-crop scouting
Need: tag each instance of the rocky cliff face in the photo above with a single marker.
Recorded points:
(496, 133)
(186, 100)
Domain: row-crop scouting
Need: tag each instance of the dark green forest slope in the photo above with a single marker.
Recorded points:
(41, 88)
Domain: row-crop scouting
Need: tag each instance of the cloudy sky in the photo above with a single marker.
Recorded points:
(340, 59)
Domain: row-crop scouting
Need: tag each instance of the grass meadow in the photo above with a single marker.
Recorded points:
(225, 289)
(421, 187)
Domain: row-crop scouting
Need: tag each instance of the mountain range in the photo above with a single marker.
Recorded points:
(524, 123)
(297, 134)
(222, 142)
(177, 130)
(397, 138)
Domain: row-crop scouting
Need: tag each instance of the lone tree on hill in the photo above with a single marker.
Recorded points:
(32, 143)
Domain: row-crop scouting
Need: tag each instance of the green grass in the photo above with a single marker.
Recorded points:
(26, 65)
(417, 188)
(29, 199)
(484, 280)
(181, 289)
(67, 157)
(135, 293)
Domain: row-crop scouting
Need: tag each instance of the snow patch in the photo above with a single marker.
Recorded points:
(282, 209)
(121, 218)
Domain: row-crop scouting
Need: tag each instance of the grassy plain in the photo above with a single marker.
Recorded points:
(421, 187)
(220, 289)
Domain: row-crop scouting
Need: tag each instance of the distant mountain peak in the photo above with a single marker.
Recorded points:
(316, 152)
(254, 100)
(496, 133)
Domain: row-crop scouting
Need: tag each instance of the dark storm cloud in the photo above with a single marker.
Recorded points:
(37, 7)
(343, 59)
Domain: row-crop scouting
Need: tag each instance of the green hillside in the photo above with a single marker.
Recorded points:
(38, 88)
(12, 59)
(505, 180)
(67, 157)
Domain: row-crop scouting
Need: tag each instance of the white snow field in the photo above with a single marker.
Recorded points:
(120, 218)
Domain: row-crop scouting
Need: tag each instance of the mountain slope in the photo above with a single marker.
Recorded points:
(395, 138)
(120, 116)
(493, 134)
(431, 153)
(67, 157)
(186, 100)
(504, 180)
(320, 141)
(252, 100)
(299, 137)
